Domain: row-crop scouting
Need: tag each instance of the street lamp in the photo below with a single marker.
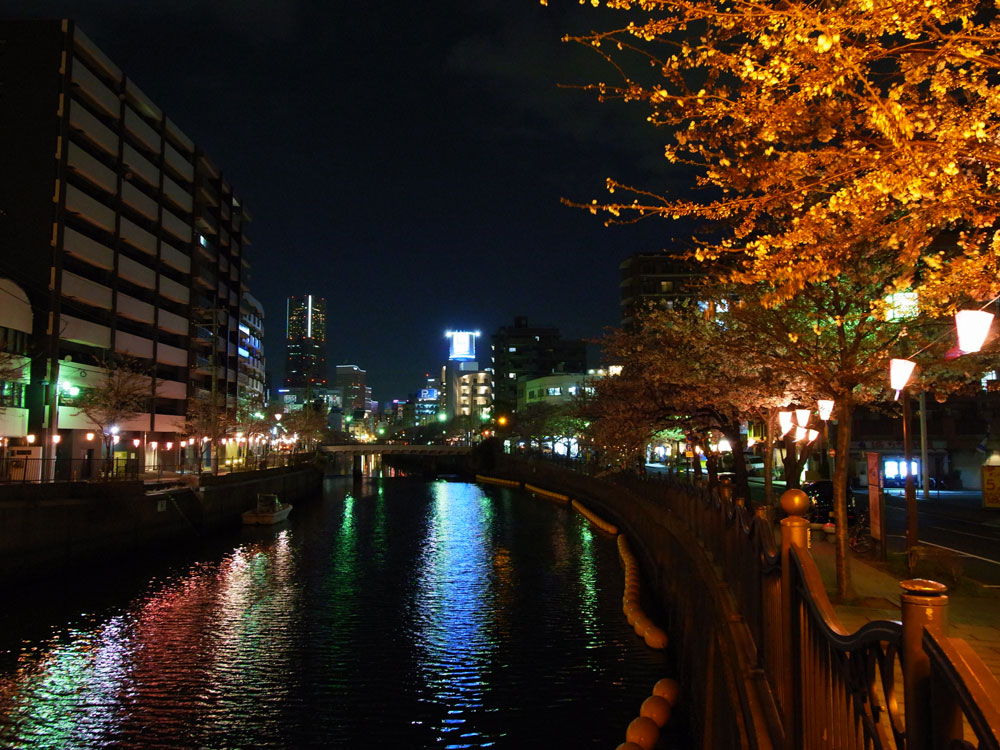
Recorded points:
(900, 371)
(973, 327)
(785, 422)
(825, 406)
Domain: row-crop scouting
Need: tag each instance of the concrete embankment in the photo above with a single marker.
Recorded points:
(44, 527)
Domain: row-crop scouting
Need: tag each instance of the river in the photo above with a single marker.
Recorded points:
(388, 613)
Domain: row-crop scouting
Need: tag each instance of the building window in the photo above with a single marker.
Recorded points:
(554, 391)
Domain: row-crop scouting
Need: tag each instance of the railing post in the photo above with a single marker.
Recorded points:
(924, 605)
(794, 533)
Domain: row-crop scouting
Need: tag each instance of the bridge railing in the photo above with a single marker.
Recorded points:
(903, 685)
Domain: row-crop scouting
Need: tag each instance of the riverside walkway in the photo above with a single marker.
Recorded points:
(767, 659)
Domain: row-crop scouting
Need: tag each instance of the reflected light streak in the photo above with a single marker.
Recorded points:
(454, 608)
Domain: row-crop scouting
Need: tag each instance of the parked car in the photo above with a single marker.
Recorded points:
(820, 494)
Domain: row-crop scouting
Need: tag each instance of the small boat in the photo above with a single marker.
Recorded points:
(269, 511)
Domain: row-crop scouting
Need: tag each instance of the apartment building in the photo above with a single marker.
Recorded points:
(531, 351)
(125, 237)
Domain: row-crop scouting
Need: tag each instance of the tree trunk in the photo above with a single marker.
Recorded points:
(712, 463)
(769, 458)
(841, 468)
(792, 463)
(741, 486)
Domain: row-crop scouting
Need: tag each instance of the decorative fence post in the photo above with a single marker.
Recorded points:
(924, 605)
(794, 533)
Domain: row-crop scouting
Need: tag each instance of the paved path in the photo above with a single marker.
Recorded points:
(973, 613)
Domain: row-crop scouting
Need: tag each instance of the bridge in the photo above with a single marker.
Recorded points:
(427, 459)
(371, 449)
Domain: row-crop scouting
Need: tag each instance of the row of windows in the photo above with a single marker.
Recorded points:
(11, 394)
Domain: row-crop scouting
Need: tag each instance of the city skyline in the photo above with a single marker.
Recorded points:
(414, 197)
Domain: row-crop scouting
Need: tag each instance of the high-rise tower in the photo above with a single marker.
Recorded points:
(306, 341)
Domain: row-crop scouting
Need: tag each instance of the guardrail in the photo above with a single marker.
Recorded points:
(23, 470)
(903, 685)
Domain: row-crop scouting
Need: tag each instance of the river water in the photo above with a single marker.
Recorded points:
(390, 613)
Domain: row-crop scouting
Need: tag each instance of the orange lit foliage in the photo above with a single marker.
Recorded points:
(819, 130)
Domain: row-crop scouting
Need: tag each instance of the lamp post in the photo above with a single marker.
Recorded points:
(972, 328)
(900, 371)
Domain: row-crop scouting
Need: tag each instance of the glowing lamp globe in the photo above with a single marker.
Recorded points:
(973, 326)
(802, 417)
(785, 421)
(825, 406)
(136, 442)
(900, 371)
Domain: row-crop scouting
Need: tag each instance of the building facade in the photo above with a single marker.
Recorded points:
(252, 375)
(653, 279)
(306, 343)
(124, 236)
(554, 390)
(526, 351)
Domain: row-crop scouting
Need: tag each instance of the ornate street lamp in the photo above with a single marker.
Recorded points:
(973, 327)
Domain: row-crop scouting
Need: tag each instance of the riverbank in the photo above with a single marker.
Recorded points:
(46, 527)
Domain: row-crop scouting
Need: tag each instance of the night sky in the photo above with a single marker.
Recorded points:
(404, 160)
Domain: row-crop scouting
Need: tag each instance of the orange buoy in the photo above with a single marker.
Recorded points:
(643, 732)
(641, 623)
(655, 637)
(667, 689)
(657, 709)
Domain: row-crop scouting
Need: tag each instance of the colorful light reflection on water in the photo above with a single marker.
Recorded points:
(394, 614)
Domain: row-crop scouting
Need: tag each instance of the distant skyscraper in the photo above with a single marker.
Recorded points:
(306, 342)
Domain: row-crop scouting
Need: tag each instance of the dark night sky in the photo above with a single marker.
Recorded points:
(404, 160)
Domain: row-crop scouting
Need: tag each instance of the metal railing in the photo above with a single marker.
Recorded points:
(23, 470)
(903, 685)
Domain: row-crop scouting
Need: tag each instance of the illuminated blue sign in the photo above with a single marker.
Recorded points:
(463, 345)
(428, 394)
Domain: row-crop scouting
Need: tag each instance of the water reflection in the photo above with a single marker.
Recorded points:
(190, 662)
(455, 608)
(394, 614)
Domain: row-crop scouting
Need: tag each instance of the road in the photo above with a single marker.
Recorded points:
(952, 520)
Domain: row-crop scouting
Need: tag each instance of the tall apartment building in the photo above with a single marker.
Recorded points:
(125, 237)
(647, 279)
(252, 375)
(305, 366)
(529, 351)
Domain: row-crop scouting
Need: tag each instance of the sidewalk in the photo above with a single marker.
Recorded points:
(975, 619)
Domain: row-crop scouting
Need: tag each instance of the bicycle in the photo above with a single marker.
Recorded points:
(859, 539)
